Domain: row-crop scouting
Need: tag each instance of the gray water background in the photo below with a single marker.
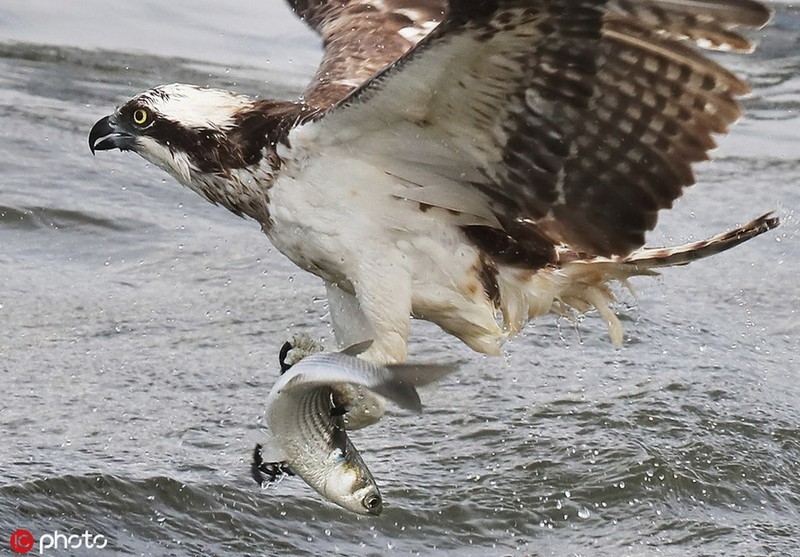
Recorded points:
(139, 328)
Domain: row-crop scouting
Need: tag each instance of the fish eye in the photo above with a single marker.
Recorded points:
(140, 117)
(372, 501)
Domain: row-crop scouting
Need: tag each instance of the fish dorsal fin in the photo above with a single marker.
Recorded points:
(358, 348)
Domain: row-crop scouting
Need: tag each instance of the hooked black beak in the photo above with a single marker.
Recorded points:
(108, 134)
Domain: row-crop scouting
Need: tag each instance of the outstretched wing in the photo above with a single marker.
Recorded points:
(577, 120)
(361, 37)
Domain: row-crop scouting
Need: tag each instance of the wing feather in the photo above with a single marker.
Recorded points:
(579, 118)
(360, 38)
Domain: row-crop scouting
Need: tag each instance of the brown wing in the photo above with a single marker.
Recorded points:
(656, 103)
(577, 118)
(360, 38)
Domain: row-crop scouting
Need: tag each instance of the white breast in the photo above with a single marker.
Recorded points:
(349, 221)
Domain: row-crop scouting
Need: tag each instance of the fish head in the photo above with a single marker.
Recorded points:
(351, 486)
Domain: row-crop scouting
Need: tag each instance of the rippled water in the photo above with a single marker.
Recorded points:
(139, 328)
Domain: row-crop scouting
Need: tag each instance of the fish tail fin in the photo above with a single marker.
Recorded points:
(400, 388)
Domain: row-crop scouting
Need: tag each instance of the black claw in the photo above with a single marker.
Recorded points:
(255, 465)
(282, 357)
(339, 411)
(265, 473)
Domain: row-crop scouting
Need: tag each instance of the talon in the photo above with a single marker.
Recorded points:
(266, 473)
(282, 357)
(255, 465)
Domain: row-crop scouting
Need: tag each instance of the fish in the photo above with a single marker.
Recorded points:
(305, 415)
(364, 407)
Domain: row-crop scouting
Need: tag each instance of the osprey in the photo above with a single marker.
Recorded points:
(472, 163)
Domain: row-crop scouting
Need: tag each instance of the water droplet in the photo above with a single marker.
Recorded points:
(583, 512)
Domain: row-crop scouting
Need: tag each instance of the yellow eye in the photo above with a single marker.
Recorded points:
(140, 116)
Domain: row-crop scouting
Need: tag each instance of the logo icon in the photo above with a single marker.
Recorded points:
(22, 541)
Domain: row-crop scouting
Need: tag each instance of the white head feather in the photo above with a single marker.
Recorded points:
(195, 107)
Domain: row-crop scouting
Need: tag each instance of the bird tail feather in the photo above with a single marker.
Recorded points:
(581, 285)
(651, 258)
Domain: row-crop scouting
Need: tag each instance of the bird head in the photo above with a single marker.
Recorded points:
(185, 130)
(211, 140)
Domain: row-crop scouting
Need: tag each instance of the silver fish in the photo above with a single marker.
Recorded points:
(305, 414)
(364, 407)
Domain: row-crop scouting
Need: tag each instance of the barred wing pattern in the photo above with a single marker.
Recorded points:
(573, 120)
(656, 103)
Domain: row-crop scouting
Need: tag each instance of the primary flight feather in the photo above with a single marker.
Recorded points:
(472, 163)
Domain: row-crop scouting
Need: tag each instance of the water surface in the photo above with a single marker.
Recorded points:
(139, 327)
